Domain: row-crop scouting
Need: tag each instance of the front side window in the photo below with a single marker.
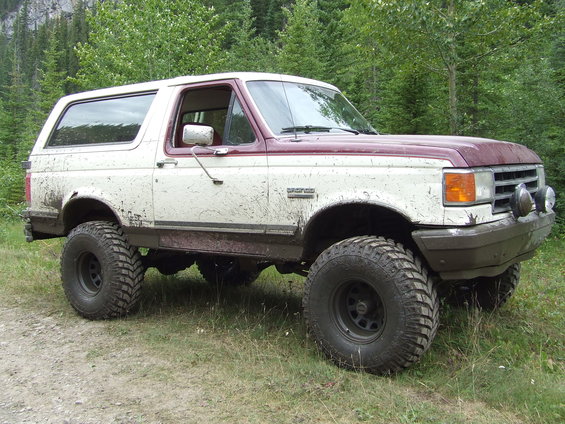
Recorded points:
(292, 107)
(219, 108)
(240, 131)
(113, 120)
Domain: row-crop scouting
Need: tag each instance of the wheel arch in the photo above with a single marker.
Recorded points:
(83, 209)
(344, 220)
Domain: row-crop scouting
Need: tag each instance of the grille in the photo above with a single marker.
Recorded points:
(506, 179)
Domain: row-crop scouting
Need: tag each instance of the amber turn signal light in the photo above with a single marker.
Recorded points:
(460, 187)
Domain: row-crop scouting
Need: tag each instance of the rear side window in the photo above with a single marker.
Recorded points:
(113, 120)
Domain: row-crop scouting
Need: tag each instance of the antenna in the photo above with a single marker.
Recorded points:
(290, 112)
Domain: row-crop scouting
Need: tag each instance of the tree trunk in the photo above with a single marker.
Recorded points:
(453, 109)
(452, 73)
(475, 110)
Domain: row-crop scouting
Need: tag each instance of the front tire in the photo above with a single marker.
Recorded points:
(101, 272)
(369, 304)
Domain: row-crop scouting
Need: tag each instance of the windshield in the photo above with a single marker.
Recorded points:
(309, 108)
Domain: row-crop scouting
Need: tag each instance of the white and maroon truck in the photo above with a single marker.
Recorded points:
(236, 172)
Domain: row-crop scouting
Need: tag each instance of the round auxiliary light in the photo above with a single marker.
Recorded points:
(521, 201)
(545, 199)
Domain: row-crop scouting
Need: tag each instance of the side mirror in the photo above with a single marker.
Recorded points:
(201, 135)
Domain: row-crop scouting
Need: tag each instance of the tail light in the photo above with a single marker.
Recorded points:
(26, 165)
(28, 188)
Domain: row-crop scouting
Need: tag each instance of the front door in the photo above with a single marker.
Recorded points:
(217, 201)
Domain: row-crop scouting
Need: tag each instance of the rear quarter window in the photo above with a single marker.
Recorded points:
(110, 120)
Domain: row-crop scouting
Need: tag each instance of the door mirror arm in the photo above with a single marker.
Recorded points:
(215, 180)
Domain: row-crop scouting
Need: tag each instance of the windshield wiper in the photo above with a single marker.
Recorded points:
(307, 129)
(368, 131)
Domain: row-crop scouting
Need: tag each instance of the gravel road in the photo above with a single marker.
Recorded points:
(61, 370)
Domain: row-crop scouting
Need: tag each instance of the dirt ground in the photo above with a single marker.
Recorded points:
(55, 370)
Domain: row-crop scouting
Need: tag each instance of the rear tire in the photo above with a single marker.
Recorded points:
(488, 293)
(369, 304)
(101, 272)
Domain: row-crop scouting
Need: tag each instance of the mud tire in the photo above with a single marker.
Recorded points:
(102, 274)
(369, 304)
(225, 272)
(487, 293)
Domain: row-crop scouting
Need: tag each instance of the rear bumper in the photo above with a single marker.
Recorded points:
(483, 250)
(38, 226)
(28, 229)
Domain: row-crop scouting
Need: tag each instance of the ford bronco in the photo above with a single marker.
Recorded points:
(237, 172)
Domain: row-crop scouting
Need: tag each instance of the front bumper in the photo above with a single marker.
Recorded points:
(485, 249)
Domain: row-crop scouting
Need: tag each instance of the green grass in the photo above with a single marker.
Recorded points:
(256, 364)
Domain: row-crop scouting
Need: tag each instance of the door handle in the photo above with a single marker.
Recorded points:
(221, 152)
(168, 161)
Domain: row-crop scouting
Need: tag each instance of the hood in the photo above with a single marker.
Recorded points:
(475, 151)
(461, 151)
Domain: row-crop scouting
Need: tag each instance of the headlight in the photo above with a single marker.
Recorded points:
(467, 186)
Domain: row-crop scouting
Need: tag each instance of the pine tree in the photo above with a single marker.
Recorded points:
(405, 105)
(51, 79)
(557, 54)
(36, 53)
(16, 104)
(5, 59)
(4, 130)
(274, 18)
(77, 33)
(301, 52)
(259, 8)
(247, 51)
(334, 36)
(124, 45)
(22, 42)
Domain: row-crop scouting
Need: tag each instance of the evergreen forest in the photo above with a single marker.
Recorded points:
(486, 68)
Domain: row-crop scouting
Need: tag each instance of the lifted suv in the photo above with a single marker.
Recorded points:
(237, 172)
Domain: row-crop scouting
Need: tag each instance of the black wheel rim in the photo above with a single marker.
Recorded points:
(358, 311)
(89, 273)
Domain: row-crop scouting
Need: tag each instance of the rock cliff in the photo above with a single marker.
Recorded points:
(39, 11)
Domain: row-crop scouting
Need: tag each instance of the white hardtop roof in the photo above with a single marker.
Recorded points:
(156, 85)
